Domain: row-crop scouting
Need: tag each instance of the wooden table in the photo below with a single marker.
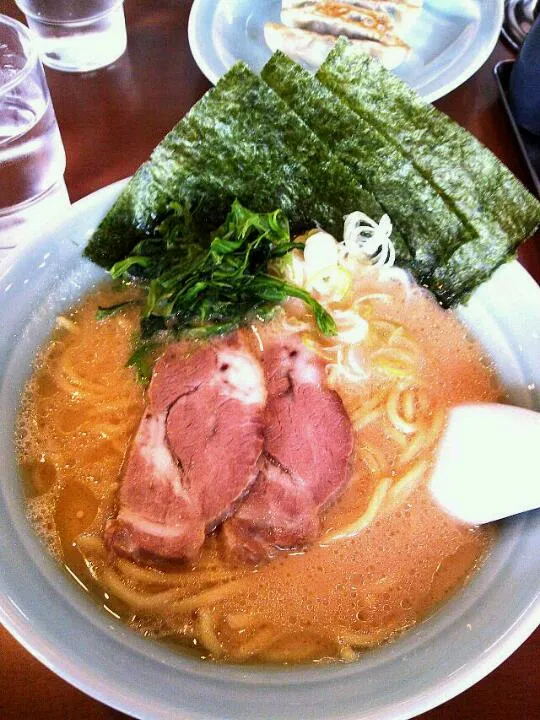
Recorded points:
(110, 120)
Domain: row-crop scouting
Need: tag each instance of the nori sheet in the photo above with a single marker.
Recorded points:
(464, 173)
(239, 141)
(368, 142)
(424, 220)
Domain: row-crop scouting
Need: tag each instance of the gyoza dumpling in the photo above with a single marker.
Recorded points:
(333, 18)
(311, 48)
(401, 11)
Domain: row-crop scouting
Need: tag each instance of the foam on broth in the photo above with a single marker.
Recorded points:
(82, 406)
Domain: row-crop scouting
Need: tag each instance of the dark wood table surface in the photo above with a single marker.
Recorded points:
(110, 120)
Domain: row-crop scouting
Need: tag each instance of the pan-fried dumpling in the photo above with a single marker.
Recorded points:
(402, 12)
(395, 7)
(311, 48)
(333, 18)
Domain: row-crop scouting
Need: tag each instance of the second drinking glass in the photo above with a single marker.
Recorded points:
(77, 35)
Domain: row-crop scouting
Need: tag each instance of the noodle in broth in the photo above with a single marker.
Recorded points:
(387, 555)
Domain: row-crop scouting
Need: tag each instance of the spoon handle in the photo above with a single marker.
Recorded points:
(488, 465)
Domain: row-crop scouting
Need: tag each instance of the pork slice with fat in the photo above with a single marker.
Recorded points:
(195, 453)
(307, 453)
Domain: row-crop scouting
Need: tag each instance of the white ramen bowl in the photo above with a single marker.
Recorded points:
(58, 623)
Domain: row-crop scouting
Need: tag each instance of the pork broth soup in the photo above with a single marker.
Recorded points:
(361, 554)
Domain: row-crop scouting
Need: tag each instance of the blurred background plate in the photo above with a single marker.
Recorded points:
(450, 40)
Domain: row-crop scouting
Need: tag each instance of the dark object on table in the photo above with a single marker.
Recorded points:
(524, 89)
(529, 143)
(519, 16)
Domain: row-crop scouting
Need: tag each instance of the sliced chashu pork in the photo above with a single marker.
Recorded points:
(195, 453)
(310, 48)
(308, 444)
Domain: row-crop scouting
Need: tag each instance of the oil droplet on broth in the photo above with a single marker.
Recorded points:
(76, 508)
(38, 476)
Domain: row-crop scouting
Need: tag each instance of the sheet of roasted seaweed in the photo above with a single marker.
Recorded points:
(426, 223)
(470, 180)
(240, 141)
(352, 138)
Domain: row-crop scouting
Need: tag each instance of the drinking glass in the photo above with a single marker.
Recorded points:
(32, 157)
(77, 35)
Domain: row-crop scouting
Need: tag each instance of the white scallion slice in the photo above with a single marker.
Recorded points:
(320, 251)
(332, 282)
(352, 328)
(364, 236)
(294, 268)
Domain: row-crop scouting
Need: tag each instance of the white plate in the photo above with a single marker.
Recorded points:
(53, 618)
(450, 40)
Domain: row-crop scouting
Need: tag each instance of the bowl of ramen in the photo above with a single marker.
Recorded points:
(379, 606)
(223, 386)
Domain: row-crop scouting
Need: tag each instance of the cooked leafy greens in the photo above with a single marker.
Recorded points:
(205, 289)
(142, 359)
(106, 312)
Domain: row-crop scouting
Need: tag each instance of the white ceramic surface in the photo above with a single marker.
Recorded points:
(450, 40)
(50, 614)
(487, 463)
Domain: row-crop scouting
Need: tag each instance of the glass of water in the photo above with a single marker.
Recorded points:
(77, 35)
(32, 157)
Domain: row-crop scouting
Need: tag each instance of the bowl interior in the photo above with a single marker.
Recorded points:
(54, 618)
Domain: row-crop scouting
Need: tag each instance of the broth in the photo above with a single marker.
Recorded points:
(387, 556)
